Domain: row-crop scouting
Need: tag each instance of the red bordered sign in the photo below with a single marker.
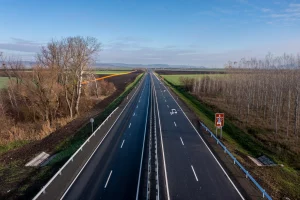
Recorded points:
(219, 120)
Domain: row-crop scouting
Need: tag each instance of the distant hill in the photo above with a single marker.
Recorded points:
(105, 65)
(28, 64)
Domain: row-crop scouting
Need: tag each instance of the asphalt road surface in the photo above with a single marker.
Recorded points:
(114, 170)
(187, 168)
(191, 170)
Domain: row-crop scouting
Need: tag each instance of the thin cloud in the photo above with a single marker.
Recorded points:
(292, 13)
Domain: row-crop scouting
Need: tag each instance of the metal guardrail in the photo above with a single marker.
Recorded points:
(43, 190)
(235, 161)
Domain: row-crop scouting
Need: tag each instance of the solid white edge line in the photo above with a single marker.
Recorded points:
(122, 144)
(108, 179)
(99, 144)
(194, 173)
(205, 144)
(162, 145)
(181, 141)
(138, 186)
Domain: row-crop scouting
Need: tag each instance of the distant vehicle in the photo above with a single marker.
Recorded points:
(173, 111)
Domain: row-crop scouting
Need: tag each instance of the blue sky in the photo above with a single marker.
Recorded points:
(192, 32)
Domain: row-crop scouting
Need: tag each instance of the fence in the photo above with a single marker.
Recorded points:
(43, 190)
(235, 161)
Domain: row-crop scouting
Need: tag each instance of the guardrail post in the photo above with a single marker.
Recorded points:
(225, 150)
(44, 191)
(247, 174)
(263, 193)
(217, 141)
(80, 148)
(234, 161)
(60, 171)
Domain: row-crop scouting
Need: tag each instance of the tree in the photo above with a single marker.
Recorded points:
(72, 56)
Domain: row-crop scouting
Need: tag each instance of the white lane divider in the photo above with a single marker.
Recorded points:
(175, 124)
(165, 100)
(122, 144)
(194, 173)
(133, 114)
(181, 141)
(168, 106)
(129, 125)
(108, 179)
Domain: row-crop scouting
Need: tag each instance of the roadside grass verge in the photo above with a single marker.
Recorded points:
(283, 181)
(12, 145)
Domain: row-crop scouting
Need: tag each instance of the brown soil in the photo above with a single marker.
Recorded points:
(48, 144)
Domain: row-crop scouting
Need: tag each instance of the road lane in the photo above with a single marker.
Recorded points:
(192, 171)
(114, 170)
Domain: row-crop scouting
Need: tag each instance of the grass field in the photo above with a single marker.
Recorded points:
(175, 79)
(111, 72)
(3, 82)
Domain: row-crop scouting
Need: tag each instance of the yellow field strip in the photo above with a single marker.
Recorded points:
(104, 77)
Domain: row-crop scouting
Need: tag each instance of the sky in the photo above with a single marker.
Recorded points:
(177, 32)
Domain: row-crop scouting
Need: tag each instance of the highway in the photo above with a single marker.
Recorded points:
(114, 171)
(190, 169)
(180, 166)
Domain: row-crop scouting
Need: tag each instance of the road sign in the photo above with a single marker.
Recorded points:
(92, 120)
(219, 120)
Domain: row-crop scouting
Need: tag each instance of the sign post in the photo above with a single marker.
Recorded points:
(92, 121)
(219, 122)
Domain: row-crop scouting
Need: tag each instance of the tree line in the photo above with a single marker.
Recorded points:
(53, 88)
(262, 92)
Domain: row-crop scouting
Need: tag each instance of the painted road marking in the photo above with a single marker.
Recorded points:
(129, 125)
(168, 106)
(108, 179)
(165, 100)
(122, 144)
(174, 123)
(133, 114)
(194, 173)
(181, 141)
(137, 106)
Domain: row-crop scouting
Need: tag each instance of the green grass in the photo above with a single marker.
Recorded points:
(3, 82)
(111, 72)
(175, 79)
(12, 145)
